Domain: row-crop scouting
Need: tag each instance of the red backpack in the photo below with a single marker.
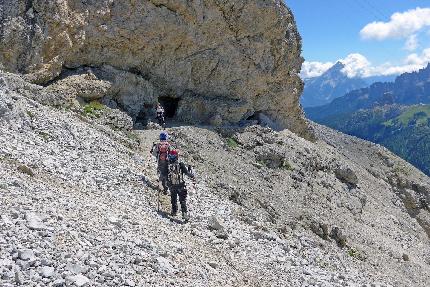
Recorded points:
(163, 150)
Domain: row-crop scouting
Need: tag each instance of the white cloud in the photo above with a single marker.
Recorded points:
(401, 25)
(412, 43)
(314, 69)
(357, 65)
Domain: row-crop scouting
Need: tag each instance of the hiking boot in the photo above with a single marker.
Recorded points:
(185, 216)
(173, 213)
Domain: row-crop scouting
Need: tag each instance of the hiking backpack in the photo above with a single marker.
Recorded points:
(175, 174)
(163, 150)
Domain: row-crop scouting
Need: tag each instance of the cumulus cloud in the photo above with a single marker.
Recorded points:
(401, 25)
(412, 43)
(314, 69)
(357, 65)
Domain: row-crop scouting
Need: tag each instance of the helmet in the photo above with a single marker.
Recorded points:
(173, 155)
(164, 136)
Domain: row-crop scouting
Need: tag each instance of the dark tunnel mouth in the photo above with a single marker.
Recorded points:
(255, 117)
(170, 105)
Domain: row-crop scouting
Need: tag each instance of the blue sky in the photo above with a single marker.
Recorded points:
(342, 29)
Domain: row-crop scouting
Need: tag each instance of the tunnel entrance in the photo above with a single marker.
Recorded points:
(255, 117)
(262, 119)
(170, 105)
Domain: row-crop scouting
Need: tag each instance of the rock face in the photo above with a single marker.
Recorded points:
(207, 61)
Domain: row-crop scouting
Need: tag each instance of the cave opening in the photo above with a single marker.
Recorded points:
(170, 105)
(264, 120)
(255, 117)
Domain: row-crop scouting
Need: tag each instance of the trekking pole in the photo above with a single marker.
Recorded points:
(158, 200)
(158, 190)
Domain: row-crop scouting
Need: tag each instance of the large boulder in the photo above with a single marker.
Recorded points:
(204, 59)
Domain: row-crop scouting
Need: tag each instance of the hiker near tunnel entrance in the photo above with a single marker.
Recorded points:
(160, 117)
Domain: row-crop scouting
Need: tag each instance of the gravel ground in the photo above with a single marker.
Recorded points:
(79, 208)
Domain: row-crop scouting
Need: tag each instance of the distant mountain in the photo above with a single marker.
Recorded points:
(382, 79)
(405, 130)
(408, 89)
(332, 84)
(395, 115)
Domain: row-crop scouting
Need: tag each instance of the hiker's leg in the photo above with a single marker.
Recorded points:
(163, 168)
(163, 179)
(183, 199)
(174, 200)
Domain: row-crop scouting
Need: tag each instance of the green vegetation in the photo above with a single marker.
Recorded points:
(286, 165)
(353, 252)
(414, 115)
(25, 169)
(232, 143)
(46, 137)
(94, 108)
(30, 114)
(401, 169)
(132, 136)
(405, 130)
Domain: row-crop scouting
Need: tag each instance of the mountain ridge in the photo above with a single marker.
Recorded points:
(408, 88)
(330, 85)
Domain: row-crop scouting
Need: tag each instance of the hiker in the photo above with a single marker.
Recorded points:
(161, 151)
(176, 183)
(160, 115)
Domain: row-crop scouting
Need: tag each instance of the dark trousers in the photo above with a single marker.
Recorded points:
(181, 191)
(163, 170)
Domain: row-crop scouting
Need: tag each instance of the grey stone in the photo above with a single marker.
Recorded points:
(213, 264)
(26, 255)
(19, 277)
(129, 282)
(163, 265)
(47, 271)
(59, 283)
(346, 175)
(76, 268)
(34, 222)
(115, 221)
(79, 280)
(215, 223)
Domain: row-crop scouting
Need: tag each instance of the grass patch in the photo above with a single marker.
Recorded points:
(286, 165)
(355, 253)
(30, 114)
(401, 169)
(232, 143)
(25, 169)
(94, 108)
(46, 137)
(132, 136)
(414, 115)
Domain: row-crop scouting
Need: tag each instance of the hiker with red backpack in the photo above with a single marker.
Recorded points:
(161, 152)
(176, 183)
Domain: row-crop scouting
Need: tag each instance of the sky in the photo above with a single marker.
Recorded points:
(371, 37)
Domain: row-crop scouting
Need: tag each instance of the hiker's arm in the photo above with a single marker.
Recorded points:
(154, 149)
(187, 170)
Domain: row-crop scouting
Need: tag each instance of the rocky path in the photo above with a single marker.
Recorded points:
(76, 211)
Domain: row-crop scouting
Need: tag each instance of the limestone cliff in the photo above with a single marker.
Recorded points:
(214, 61)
